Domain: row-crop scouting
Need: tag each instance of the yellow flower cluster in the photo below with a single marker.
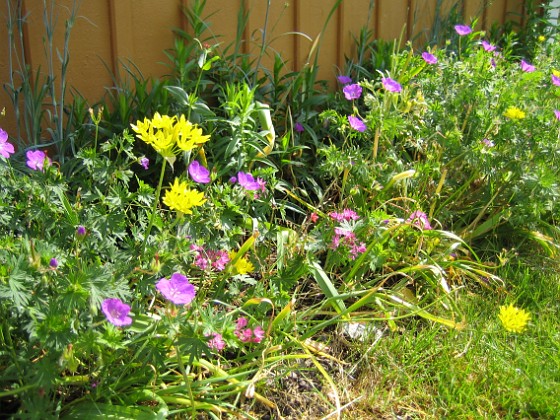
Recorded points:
(514, 113)
(242, 265)
(182, 199)
(169, 135)
(514, 319)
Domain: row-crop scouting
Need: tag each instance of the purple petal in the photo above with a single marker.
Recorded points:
(356, 123)
(391, 85)
(199, 173)
(463, 29)
(177, 289)
(429, 58)
(116, 312)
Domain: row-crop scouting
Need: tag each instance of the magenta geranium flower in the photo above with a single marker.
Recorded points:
(199, 173)
(299, 127)
(36, 159)
(116, 312)
(487, 46)
(429, 58)
(557, 114)
(6, 149)
(527, 67)
(248, 181)
(420, 219)
(356, 123)
(391, 85)
(555, 80)
(352, 92)
(344, 79)
(177, 289)
(463, 30)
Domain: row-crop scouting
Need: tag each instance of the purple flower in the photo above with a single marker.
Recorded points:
(6, 149)
(557, 114)
(199, 173)
(36, 159)
(356, 123)
(352, 92)
(145, 162)
(487, 46)
(298, 127)
(53, 263)
(80, 230)
(247, 181)
(527, 67)
(116, 312)
(344, 79)
(429, 58)
(258, 334)
(346, 215)
(463, 30)
(177, 289)
(391, 85)
(555, 80)
(420, 219)
(488, 143)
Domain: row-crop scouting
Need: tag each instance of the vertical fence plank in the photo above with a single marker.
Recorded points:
(392, 19)
(354, 19)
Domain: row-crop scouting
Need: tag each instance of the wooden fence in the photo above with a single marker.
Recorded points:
(108, 33)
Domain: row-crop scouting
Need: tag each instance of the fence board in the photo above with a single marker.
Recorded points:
(111, 32)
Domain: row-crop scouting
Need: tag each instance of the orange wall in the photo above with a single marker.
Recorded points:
(108, 33)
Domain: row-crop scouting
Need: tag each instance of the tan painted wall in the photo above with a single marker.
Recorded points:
(109, 32)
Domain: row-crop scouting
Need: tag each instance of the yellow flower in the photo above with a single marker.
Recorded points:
(556, 73)
(514, 113)
(513, 319)
(188, 135)
(242, 265)
(182, 199)
(541, 38)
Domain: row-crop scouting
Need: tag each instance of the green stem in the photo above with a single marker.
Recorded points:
(187, 380)
(154, 207)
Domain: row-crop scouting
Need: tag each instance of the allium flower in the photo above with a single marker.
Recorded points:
(356, 123)
(299, 128)
(258, 334)
(248, 335)
(144, 162)
(557, 114)
(183, 199)
(514, 113)
(247, 181)
(80, 230)
(6, 149)
(116, 312)
(344, 79)
(199, 173)
(216, 342)
(526, 67)
(352, 92)
(463, 30)
(53, 263)
(346, 215)
(177, 289)
(555, 80)
(36, 159)
(487, 46)
(429, 58)
(514, 319)
(420, 219)
(241, 323)
(391, 85)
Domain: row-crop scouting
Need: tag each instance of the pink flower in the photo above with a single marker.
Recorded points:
(557, 114)
(241, 323)
(488, 143)
(487, 46)
(36, 159)
(352, 92)
(116, 312)
(346, 215)
(177, 289)
(526, 67)
(313, 217)
(420, 219)
(344, 79)
(247, 181)
(258, 334)
(356, 123)
(429, 58)
(199, 173)
(463, 30)
(216, 342)
(555, 80)
(6, 149)
(391, 85)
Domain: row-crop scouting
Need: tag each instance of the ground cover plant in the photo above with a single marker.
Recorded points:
(389, 252)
